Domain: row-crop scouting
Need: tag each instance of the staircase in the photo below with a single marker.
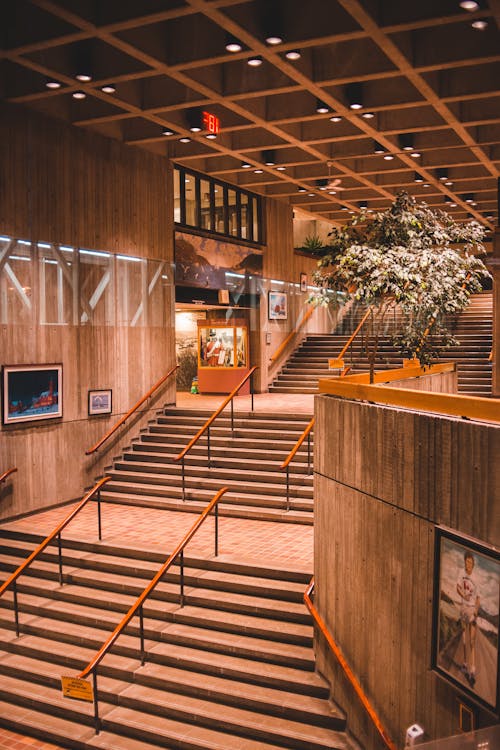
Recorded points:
(247, 462)
(233, 668)
(473, 328)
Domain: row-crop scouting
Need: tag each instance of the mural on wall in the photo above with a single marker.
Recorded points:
(203, 261)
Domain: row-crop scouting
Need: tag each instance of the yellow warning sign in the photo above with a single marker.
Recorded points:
(335, 364)
(73, 687)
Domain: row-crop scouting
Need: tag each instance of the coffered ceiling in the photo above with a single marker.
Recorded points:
(427, 79)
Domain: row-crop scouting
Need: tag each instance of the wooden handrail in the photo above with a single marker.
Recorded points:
(15, 575)
(297, 445)
(95, 661)
(346, 668)
(7, 473)
(215, 414)
(353, 335)
(293, 333)
(130, 412)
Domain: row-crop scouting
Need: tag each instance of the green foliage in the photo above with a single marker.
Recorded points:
(409, 256)
(312, 242)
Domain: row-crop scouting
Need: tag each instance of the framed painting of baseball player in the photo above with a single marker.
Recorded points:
(466, 613)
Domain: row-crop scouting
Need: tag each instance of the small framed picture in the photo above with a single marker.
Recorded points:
(100, 402)
(465, 617)
(303, 282)
(278, 306)
(31, 393)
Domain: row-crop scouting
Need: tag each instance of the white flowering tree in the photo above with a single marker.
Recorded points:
(410, 257)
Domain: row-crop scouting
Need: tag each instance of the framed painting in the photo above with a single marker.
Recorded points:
(100, 402)
(31, 393)
(278, 306)
(465, 616)
(303, 282)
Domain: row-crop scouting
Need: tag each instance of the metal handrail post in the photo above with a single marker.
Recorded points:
(97, 721)
(181, 563)
(232, 417)
(141, 632)
(183, 480)
(309, 453)
(216, 511)
(16, 609)
(288, 487)
(251, 389)
(59, 556)
(99, 526)
(209, 456)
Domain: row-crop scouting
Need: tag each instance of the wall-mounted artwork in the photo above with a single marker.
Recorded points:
(303, 282)
(100, 402)
(204, 261)
(31, 392)
(278, 306)
(466, 611)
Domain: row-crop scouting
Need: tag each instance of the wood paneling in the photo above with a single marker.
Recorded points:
(63, 184)
(384, 478)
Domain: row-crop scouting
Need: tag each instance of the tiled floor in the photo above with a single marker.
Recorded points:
(279, 544)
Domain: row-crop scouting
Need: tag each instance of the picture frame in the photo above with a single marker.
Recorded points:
(31, 393)
(278, 306)
(466, 599)
(303, 282)
(100, 402)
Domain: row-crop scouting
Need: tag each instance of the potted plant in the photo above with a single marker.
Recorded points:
(411, 257)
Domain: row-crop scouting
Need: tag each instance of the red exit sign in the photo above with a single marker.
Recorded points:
(211, 123)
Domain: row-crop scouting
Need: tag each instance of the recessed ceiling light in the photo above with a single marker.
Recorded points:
(255, 61)
(449, 183)
(418, 178)
(368, 115)
(211, 136)
(388, 157)
(415, 154)
(336, 118)
(302, 190)
(377, 148)
(469, 5)
(53, 85)
(321, 107)
(185, 140)
(354, 95)
(195, 129)
(322, 187)
(355, 105)
(233, 45)
(79, 95)
(480, 24)
(274, 39)
(245, 165)
(281, 169)
(83, 77)
(258, 171)
(426, 184)
(108, 88)
(332, 192)
(167, 131)
(293, 54)
(311, 195)
(344, 208)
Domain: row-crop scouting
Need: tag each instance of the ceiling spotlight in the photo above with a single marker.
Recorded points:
(415, 154)
(405, 141)
(469, 198)
(255, 61)
(83, 77)
(332, 192)
(321, 107)
(109, 88)
(480, 24)
(245, 165)
(167, 131)
(469, 5)
(258, 171)
(418, 177)
(79, 95)
(195, 129)
(53, 84)
(368, 115)
(363, 204)
(321, 184)
(185, 140)
(354, 95)
(311, 195)
(211, 136)
(281, 169)
(273, 39)
(269, 157)
(344, 208)
(448, 183)
(378, 148)
(426, 184)
(233, 45)
(336, 118)
(442, 173)
(293, 54)
(302, 190)
(388, 157)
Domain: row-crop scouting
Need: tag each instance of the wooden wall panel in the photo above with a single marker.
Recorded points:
(280, 261)
(63, 184)
(384, 477)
